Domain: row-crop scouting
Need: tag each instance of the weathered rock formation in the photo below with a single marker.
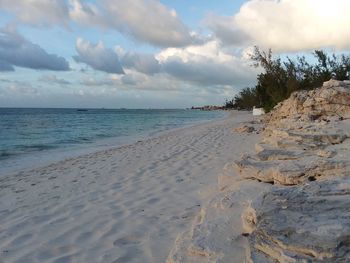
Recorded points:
(290, 201)
(308, 223)
(331, 100)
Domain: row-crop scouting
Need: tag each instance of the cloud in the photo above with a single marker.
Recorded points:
(284, 25)
(288, 25)
(15, 50)
(129, 80)
(133, 80)
(207, 65)
(98, 57)
(149, 21)
(52, 79)
(97, 82)
(5, 66)
(145, 63)
(20, 87)
(87, 14)
(145, 20)
(226, 30)
(38, 12)
(115, 60)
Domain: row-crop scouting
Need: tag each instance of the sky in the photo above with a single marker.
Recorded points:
(152, 53)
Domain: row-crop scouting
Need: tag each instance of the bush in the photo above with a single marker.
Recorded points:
(281, 78)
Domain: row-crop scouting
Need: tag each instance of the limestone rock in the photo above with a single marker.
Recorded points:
(304, 224)
(332, 99)
(279, 169)
(289, 202)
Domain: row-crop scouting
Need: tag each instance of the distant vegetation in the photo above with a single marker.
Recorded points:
(280, 78)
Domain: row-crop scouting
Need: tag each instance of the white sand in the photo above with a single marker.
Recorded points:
(122, 205)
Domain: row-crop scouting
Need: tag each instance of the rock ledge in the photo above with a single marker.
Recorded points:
(288, 202)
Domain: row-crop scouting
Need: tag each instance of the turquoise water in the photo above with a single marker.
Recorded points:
(37, 132)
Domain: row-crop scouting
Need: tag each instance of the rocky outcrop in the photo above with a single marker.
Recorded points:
(298, 163)
(309, 223)
(305, 154)
(331, 100)
(288, 202)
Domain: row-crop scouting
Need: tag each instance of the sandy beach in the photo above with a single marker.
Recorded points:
(127, 204)
(154, 131)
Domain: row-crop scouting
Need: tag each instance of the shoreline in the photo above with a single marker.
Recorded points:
(288, 201)
(119, 205)
(45, 158)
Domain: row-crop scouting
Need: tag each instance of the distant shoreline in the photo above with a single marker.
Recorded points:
(105, 108)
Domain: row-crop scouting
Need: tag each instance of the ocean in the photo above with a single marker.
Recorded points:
(31, 137)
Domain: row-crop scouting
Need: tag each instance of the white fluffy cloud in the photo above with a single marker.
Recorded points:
(87, 14)
(146, 20)
(207, 65)
(149, 21)
(284, 25)
(38, 12)
(289, 25)
(98, 57)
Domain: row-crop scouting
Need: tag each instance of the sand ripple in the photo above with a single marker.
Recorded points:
(121, 205)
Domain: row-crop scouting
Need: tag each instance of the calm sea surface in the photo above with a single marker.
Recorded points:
(30, 137)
